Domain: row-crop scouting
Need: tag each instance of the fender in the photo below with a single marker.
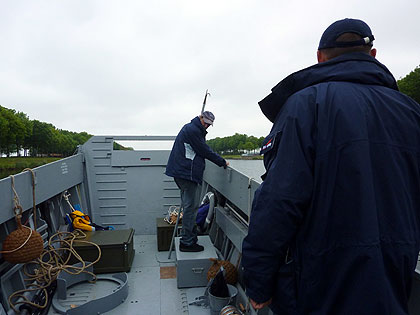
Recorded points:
(211, 199)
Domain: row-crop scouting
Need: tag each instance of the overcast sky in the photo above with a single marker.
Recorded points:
(142, 67)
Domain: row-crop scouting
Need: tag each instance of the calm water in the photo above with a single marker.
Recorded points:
(251, 168)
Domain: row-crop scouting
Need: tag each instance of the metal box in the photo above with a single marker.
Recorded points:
(164, 234)
(116, 246)
(192, 268)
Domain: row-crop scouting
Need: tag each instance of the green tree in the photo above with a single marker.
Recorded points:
(4, 130)
(249, 146)
(66, 144)
(410, 84)
(42, 138)
(18, 132)
(72, 140)
(18, 128)
(27, 130)
(235, 144)
(13, 131)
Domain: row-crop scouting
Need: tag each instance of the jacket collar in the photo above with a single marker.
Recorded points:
(352, 67)
(196, 121)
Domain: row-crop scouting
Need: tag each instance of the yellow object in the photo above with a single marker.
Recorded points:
(81, 221)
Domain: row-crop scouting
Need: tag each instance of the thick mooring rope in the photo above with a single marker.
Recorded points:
(16, 200)
(23, 244)
(17, 208)
(53, 261)
(33, 194)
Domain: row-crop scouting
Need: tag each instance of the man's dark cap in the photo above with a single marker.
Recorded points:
(208, 117)
(330, 35)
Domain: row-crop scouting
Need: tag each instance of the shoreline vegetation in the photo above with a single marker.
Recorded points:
(15, 165)
(19, 133)
(242, 157)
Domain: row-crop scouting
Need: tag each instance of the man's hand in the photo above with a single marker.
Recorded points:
(226, 165)
(258, 306)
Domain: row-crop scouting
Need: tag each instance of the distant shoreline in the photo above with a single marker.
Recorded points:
(15, 165)
(240, 157)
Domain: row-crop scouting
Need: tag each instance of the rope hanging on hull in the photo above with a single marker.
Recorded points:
(23, 244)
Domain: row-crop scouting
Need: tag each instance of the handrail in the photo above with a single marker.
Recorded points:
(141, 138)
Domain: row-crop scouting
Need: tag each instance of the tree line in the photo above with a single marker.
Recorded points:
(236, 144)
(410, 84)
(240, 143)
(35, 138)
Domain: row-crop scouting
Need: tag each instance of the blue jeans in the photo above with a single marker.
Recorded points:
(189, 202)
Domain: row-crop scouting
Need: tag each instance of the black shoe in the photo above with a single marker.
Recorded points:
(192, 248)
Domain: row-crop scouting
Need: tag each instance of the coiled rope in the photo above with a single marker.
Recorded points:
(18, 210)
(48, 266)
(172, 215)
(52, 260)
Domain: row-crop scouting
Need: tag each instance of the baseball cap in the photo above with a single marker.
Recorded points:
(208, 117)
(330, 35)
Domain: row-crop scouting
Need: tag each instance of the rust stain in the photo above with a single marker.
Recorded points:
(168, 272)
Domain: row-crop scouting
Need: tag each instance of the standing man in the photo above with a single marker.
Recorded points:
(186, 164)
(335, 226)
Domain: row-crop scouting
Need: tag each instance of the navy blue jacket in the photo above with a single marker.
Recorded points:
(189, 151)
(335, 224)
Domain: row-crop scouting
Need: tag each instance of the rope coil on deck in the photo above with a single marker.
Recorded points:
(172, 215)
(48, 266)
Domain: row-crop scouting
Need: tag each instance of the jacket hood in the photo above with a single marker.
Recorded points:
(353, 67)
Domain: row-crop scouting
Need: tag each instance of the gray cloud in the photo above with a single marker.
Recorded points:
(141, 67)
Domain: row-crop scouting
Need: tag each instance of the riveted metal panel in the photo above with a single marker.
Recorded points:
(128, 189)
(231, 227)
(139, 158)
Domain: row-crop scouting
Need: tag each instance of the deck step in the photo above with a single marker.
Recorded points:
(192, 268)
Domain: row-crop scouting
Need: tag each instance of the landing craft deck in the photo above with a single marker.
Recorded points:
(128, 189)
(149, 291)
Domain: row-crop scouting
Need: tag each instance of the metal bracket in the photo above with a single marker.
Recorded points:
(63, 304)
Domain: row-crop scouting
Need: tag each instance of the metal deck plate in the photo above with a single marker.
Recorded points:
(148, 294)
(85, 297)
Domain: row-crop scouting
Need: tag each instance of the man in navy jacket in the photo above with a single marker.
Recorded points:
(335, 224)
(186, 164)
